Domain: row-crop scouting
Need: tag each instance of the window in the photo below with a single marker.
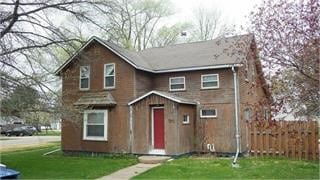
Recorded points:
(109, 76)
(247, 114)
(186, 119)
(95, 125)
(253, 74)
(84, 77)
(208, 113)
(209, 81)
(266, 114)
(177, 83)
(246, 69)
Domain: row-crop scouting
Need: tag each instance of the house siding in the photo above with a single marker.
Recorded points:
(178, 136)
(96, 56)
(220, 130)
(131, 83)
(252, 96)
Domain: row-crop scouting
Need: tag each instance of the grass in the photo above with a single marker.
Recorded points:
(33, 165)
(48, 133)
(219, 168)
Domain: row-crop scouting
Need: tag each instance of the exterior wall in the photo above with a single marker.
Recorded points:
(178, 138)
(218, 131)
(132, 83)
(143, 82)
(186, 132)
(252, 96)
(72, 128)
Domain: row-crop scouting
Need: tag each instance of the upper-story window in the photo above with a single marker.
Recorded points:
(209, 81)
(253, 74)
(177, 83)
(109, 76)
(84, 77)
(246, 71)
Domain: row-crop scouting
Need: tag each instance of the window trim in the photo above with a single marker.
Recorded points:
(188, 119)
(88, 88)
(184, 83)
(85, 119)
(104, 76)
(210, 116)
(218, 81)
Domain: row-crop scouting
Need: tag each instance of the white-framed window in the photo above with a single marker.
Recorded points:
(246, 71)
(209, 81)
(109, 76)
(253, 74)
(95, 125)
(247, 114)
(84, 83)
(177, 83)
(186, 119)
(266, 114)
(208, 113)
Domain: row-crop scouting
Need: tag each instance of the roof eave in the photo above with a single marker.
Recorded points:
(159, 94)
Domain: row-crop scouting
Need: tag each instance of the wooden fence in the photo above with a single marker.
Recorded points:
(292, 139)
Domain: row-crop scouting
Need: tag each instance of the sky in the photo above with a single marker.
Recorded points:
(233, 11)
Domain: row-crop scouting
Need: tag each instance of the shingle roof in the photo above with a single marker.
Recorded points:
(212, 53)
(167, 95)
(220, 51)
(96, 98)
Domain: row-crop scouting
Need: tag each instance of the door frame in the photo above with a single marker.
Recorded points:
(153, 150)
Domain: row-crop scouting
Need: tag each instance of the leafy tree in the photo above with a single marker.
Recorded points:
(22, 99)
(168, 35)
(288, 35)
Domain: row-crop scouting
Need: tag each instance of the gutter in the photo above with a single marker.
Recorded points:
(234, 163)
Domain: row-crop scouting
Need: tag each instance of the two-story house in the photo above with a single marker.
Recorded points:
(168, 100)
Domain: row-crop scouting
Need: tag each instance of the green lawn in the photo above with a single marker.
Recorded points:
(33, 165)
(48, 133)
(218, 168)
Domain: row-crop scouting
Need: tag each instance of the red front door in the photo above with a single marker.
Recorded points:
(158, 128)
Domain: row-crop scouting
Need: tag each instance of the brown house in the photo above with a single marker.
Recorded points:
(168, 100)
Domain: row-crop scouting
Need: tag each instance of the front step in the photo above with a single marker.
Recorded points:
(153, 159)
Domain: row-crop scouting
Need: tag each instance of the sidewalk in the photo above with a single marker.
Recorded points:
(129, 172)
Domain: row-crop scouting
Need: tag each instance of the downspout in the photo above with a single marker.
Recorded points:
(234, 163)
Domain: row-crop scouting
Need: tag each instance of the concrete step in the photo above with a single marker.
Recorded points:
(153, 159)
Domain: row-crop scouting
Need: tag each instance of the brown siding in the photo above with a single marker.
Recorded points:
(252, 96)
(96, 56)
(178, 137)
(186, 132)
(143, 82)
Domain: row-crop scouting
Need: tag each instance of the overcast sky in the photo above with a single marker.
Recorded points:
(233, 11)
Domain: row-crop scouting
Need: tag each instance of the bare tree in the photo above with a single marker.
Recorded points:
(208, 24)
(132, 23)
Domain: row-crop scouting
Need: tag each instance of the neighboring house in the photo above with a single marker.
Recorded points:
(168, 100)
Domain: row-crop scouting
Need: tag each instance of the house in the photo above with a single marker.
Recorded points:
(168, 100)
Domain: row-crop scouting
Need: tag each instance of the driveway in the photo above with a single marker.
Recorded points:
(26, 141)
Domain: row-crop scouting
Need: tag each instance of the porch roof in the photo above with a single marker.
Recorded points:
(96, 98)
(166, 95)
